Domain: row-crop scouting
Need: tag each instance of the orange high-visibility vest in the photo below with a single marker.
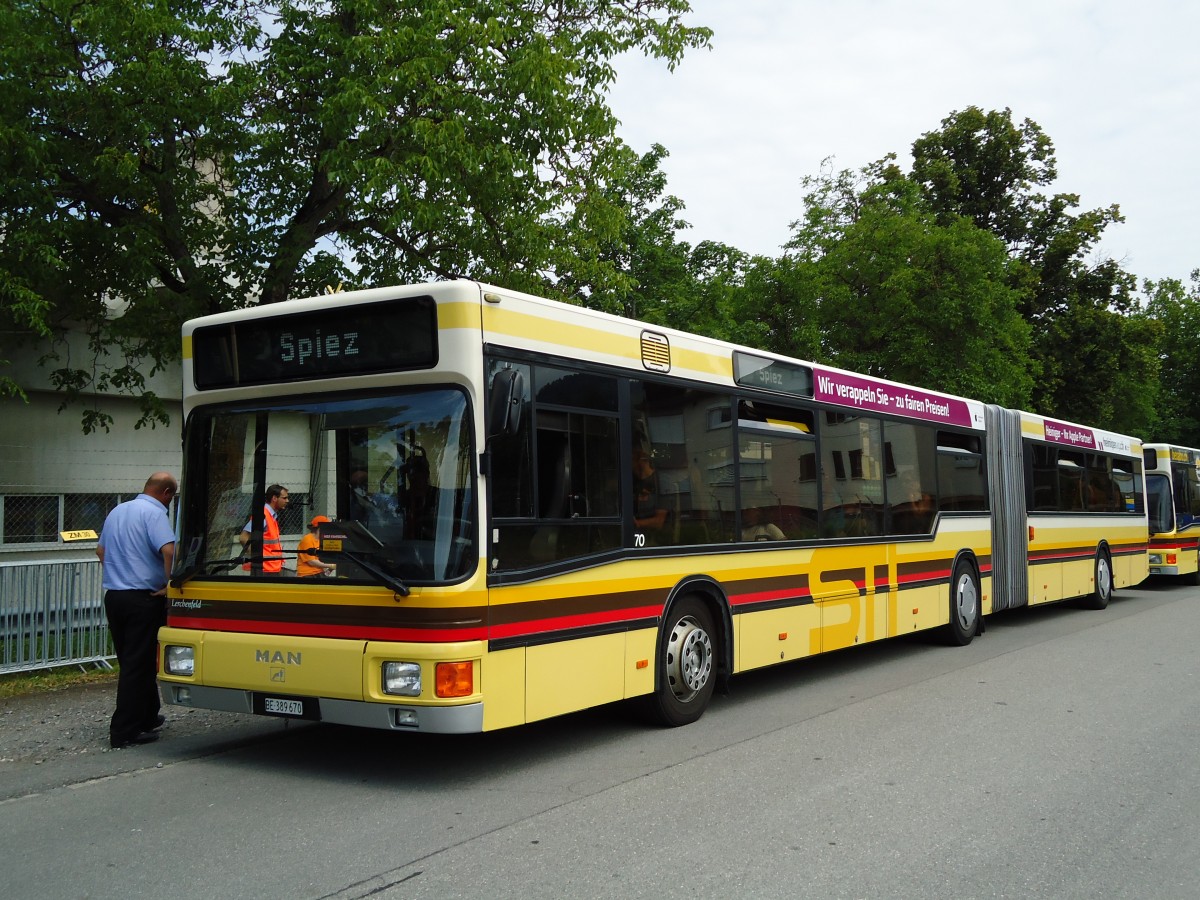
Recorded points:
(272, 548)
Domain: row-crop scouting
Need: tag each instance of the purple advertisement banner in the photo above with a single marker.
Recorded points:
(863, 393)
(1071, 435)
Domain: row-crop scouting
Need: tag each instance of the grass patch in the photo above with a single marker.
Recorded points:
(29, 642)
(18, 684)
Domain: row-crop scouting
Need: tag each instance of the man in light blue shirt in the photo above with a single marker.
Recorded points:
(137, 550)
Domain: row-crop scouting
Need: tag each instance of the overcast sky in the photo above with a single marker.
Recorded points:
(1115, 85)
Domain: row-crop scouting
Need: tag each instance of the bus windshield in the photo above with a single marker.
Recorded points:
(384, 483)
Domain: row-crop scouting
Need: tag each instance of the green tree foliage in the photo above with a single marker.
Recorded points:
(986, 167)
(716, 283)
(903, 293)
(196, 156)
(1095, 357)
(641, 269)
(1175, 311)
(658, 277)
(108, 118)
(1098, 356)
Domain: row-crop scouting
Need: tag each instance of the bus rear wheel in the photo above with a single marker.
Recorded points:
(1099, 597)
(686, 664)
(964, 605)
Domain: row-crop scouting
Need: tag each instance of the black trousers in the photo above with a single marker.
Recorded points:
(134, 618)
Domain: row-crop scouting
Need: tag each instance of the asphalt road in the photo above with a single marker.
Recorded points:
(1056, 756)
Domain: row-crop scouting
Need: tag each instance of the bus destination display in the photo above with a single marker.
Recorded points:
(772, 375)
(392, 336)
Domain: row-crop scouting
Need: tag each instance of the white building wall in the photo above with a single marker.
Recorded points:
(45, 454)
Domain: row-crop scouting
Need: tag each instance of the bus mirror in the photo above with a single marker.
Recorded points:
(504, 410)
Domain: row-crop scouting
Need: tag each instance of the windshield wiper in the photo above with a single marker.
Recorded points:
(382, 576)
(385, 578)
(212, 568)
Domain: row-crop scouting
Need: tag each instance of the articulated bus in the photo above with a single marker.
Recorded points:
(533, 508)
(1173, 503)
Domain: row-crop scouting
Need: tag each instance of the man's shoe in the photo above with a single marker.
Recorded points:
(144, 737)
(159, 722)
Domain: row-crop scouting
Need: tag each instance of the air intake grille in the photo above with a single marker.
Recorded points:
(656, 352)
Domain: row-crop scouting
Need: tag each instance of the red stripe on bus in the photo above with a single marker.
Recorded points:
(566, 623)
(1052, 556)
(918, 577)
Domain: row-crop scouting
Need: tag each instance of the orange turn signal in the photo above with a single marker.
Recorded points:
(1172, 559)
(454, 679)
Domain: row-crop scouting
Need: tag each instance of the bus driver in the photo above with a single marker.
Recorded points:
(649, 513)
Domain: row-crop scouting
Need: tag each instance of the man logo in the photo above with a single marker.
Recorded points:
(277, 657)
(279, 674)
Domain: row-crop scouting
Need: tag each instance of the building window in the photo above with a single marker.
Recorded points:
(38, 518)
(31, 518)
(86, 512)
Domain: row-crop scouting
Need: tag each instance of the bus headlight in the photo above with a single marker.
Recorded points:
(179, 660)
(402, 679)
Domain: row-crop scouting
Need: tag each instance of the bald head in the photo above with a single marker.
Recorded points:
(161, 486)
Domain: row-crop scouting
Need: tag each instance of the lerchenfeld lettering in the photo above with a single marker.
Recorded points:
(277, 657)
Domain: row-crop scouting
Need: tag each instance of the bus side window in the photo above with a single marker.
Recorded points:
(912, 482)
(962, 476)
(556, 499)
(1102, 493)
(1042, 483)
(1071, 474)
(687, 438)
(511, 477)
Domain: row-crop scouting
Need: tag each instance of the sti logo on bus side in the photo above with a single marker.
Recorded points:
(299, 349)
(277, 657)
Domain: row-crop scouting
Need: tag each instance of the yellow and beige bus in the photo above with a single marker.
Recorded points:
(522, 508)
(1173, 505)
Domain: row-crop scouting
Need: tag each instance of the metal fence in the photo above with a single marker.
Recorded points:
(52, 614)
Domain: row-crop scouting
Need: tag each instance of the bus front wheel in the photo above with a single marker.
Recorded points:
(964, 605)
(686, 664)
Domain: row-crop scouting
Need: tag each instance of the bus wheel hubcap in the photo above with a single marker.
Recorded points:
(689, 658)
(966, 601)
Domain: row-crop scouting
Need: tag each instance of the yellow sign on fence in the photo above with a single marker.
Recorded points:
(85, 535)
